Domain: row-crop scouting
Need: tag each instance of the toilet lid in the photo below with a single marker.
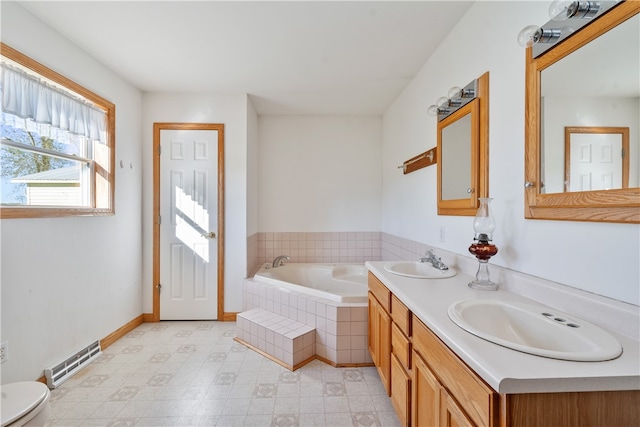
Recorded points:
(20, 398)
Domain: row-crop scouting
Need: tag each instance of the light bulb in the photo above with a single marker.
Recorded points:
(442, 101)
(454, 92)
(558, 10)
(527, 36)
(432, 110)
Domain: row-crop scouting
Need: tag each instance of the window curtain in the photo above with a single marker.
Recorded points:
(28, 97)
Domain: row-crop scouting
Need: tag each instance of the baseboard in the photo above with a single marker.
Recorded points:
(113, 337)
(274, 359)
(120, 332)
(343, 365)
(149, 318)
(228, 317)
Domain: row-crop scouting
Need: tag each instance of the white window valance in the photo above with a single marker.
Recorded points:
(28, 97)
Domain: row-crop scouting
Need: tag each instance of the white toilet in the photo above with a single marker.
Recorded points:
(24, 404)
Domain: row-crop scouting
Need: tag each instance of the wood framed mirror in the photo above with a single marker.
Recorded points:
(463, 155)
(606, 54)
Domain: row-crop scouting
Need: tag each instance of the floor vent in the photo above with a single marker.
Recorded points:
(62, 371)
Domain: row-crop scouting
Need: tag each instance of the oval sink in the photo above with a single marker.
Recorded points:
(535, 329)
(418, 270)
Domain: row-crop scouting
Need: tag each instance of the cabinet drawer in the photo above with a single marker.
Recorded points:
(401, 315)
(380, 291)
(401, 347)
(476, 398)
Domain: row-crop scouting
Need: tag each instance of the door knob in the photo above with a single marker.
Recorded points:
(211, 235)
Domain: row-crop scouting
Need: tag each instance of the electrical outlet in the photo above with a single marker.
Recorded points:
(4, 354)
(442, 234)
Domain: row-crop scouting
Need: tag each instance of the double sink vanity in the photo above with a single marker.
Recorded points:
(451, 355)
(530, 353)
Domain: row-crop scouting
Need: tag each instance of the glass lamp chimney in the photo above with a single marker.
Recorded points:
(484, 224)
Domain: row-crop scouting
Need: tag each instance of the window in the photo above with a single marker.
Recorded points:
(57, 147)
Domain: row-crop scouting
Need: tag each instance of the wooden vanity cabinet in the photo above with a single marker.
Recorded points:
(446, 392)
(429, 385)
(379, 329)
(422, 393)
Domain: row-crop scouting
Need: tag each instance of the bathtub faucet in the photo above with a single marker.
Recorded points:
(279, 261)
(434, 260)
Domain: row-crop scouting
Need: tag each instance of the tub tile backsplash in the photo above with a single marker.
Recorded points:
(320, 247)
(330, 247)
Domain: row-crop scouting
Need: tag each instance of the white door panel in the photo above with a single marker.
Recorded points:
(188, 211)
(596, 162)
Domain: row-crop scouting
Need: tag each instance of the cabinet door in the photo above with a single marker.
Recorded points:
(451, 415)
(425, 394)
(400, 391)
(472, 394)
(373, 328)
(380, 340)
(384, 349)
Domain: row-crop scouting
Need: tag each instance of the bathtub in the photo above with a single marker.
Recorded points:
(346, 283)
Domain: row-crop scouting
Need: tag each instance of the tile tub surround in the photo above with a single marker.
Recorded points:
(341, 329)
(316, 247)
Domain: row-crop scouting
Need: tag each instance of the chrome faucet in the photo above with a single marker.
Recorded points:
(434, 260)
(279, 261)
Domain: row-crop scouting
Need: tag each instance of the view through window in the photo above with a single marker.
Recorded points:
(56, 150)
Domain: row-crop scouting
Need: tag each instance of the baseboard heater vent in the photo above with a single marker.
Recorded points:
(62, 371)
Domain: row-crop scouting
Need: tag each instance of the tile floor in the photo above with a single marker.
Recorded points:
(193, 374)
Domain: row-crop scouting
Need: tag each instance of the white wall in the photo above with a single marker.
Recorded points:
(69, 281)
(597, 257)
(319, 173)
(234, 113)
(252, 169)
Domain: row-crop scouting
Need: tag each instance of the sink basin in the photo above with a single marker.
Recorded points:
(418, 270)
(535, 329)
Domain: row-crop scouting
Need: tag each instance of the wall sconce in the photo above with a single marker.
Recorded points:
(456, 98)
(579, 13)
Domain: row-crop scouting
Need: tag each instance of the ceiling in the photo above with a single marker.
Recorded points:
(292, 57)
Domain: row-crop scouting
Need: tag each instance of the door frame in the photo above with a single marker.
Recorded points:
(157, 127)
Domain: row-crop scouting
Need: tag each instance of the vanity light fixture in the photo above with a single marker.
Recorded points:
(579, 13)
(456, 98)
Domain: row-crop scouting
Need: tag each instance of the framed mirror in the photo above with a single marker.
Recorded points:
(463, 155)
(582, 146)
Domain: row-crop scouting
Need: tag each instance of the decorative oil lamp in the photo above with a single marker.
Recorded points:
(482, 249)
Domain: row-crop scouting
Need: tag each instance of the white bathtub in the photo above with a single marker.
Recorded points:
(336, 282)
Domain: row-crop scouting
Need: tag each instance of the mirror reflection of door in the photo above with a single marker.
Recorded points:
(596, 158)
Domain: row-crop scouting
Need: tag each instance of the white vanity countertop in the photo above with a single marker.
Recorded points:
(506, 370)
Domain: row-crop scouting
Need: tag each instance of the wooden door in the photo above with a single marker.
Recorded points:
(188, 224)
